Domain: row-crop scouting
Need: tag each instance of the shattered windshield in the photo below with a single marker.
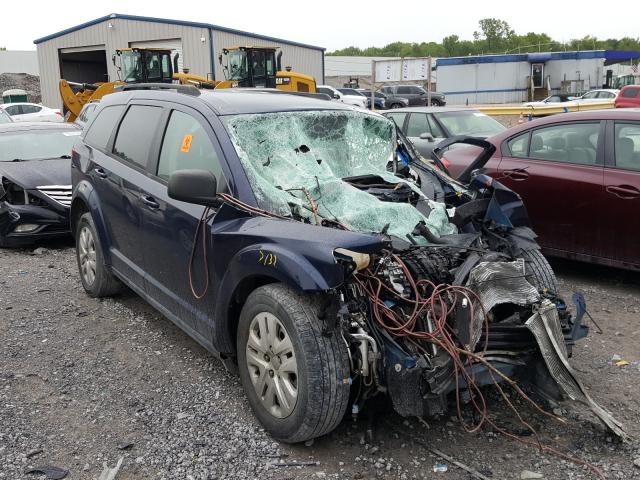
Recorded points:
(305, 165)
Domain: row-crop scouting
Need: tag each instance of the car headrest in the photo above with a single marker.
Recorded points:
(624, 148)
(536, 143)
(557, 143)
(575, 140)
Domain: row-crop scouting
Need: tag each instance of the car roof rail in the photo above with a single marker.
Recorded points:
(275, 91)
(186, 89)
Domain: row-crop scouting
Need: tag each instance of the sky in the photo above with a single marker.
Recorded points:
(331, 24)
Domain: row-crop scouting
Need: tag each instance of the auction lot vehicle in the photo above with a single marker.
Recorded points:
(35, 181)
(556, 98)
(415, 94)
(426, 126)
(629, 97)
(31, 112)
(383, 101)
(579, 176)
(307, 245)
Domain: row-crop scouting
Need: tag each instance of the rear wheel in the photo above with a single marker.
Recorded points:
(96, 279)
(396, 105)
(293, 366)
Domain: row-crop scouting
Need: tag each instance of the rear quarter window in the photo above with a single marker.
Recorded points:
(101, 129)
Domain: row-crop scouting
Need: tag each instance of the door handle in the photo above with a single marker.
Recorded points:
(150, 202)
(101, 173)
(626, 192)
(517, 174)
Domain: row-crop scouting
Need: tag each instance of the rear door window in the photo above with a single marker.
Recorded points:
(186, 145)
(417, 125)
(136, 134)
(627, 146)
(568, 143)
(14, 110)
(101, 129)
(404, 90)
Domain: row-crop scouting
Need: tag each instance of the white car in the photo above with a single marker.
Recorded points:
(598, 95)
(339, 95)
(353, 97)
(32, 112)
(335, 95)
(553, 100)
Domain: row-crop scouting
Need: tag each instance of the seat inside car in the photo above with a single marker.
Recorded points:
(626, 156)
(552, 149)
(580, 149)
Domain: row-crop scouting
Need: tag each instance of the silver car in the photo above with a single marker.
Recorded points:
(428, 126)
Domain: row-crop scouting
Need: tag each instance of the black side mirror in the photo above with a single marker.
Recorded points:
(427, 136)
(336, 96)
(194, 186)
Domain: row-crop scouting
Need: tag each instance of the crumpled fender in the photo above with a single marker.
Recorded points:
(272, 261)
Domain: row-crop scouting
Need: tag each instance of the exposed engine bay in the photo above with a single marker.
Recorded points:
(458, 295)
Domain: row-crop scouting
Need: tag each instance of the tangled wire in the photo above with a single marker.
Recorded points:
(438, 305)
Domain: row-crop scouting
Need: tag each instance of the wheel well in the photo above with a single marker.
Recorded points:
(78, 208)
(239, 297)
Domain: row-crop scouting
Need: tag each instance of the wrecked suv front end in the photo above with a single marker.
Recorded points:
(453, 295)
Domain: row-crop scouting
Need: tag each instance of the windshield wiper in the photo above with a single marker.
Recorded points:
(65, 156)
(18, 160)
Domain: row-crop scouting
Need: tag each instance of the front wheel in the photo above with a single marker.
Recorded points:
(294, 367)
(396, 105)
(538, 271)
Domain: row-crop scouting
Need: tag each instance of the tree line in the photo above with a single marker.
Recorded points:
(493, 36)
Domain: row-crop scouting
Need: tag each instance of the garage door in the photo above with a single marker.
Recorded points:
(173, 44)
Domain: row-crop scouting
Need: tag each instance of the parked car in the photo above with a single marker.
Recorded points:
(392, 101)
(271, 229)
(552, 99)
(379, 98)
(579, 176)
(31, 112)
(353, 97)
(597, 95)
(415, 94)
(86, 114)
(5, 117)
(629, 97)
(328, 90)
(427, 126)
(35, 181)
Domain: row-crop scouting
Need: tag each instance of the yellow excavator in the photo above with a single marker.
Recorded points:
(247, 66)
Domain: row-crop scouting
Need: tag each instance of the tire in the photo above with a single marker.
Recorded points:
(95, 276)
(395, 105)
(538, 271)
(321, 371)
(436, 103)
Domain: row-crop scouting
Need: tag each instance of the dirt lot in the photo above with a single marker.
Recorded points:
(84, 382)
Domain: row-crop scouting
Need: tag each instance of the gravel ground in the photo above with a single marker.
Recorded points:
(85, 382)
(24, 81)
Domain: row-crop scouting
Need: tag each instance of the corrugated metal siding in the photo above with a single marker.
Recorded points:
(301, 60)
(195, 53)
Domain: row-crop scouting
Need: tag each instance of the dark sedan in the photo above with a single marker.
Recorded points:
(35, 181)
(427, 126)
(579, 175)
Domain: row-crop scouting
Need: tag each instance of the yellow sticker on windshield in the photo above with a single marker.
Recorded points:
(186, 143)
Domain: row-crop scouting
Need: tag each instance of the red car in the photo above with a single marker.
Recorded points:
(579, 176)
(628, 97)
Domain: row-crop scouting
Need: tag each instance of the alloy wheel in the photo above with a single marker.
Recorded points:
(87, 255)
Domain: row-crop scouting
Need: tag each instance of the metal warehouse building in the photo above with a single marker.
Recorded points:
(528, 76)
(83, 53)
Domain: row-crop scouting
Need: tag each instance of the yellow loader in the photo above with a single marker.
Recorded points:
(247, 66)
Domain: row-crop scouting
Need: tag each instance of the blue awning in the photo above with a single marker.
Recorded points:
(618, 56)
(538, 57)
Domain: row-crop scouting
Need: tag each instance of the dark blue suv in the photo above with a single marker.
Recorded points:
(306, 245)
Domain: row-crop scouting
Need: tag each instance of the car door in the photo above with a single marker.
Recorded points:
(558, 171)
(419, 123)
(169, 226)
(406, 92)
(622, 191)
(116, 174)
(32, 113)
